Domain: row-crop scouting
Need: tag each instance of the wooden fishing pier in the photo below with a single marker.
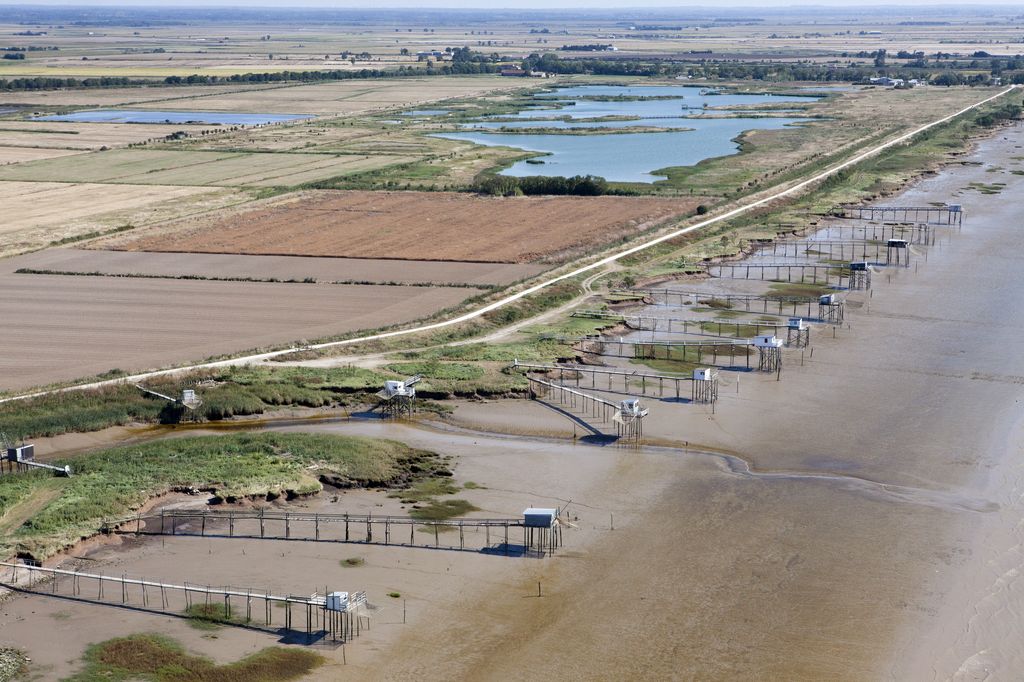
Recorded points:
(272, 524)
(629, 380)
(680, 325)
(592, 405)
(751, 303)
(849, 276)
(922, 234)
(628, 423)
(845, 250)
(697, 352)
(21, 458)
(949, 214)
(335, 616)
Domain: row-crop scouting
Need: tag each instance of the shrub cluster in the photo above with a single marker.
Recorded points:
(506, 186)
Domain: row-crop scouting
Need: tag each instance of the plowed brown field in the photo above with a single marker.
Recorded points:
(226, 265)
(420, 226)
(60, 327)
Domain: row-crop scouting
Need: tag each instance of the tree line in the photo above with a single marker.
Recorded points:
(974, 72)
(507, 186)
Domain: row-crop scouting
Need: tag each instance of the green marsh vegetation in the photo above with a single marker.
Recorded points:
(159, 659)
(45, 514)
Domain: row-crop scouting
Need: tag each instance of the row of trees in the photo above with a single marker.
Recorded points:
(467, 61)
(287, 76)
(506, 186)
(41, 83)
(552, 63)
(954, 73)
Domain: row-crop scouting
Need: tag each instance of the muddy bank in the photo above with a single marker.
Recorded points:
(878, 536)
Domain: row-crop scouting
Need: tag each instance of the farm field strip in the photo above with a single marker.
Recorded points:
(189, 168)
(21, 154)
(83, 136)
(57, 328)
(40, 213)
(112, 97)
(266, 267)
(596, 265)
(328, 167)
(436, 226)
(346, 97)
(29, 205)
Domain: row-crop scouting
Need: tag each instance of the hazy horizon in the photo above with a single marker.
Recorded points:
(521, 4)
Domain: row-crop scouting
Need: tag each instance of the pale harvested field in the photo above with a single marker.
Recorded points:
(292, 137)
(60, 328)
(418, 226)
(226, 169)
(267, 267)
(83, 136)
(57, 99)
(348, 97)
(39, 213)
(20, 154)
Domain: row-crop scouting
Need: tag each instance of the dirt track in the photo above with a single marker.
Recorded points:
(421, 226)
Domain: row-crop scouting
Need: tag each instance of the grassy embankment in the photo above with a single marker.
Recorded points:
(41, 515)
(244, 391)
(159, 659)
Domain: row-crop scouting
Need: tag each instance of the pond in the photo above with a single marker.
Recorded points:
(628, 157)
(587, 101)
(183, 117)
(624, 157)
